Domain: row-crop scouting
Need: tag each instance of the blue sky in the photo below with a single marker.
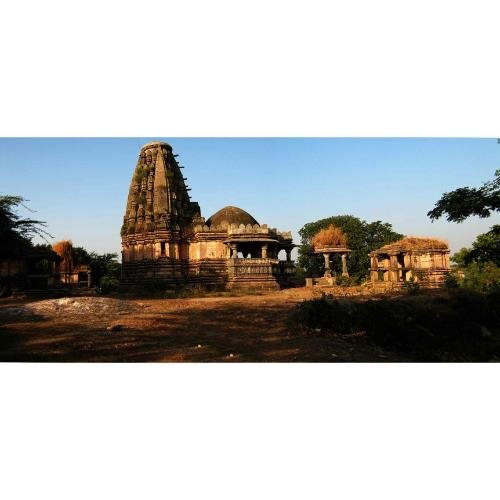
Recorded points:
(79, 186)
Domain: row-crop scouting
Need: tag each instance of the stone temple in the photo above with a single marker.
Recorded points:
(423, 260)
(166, 240)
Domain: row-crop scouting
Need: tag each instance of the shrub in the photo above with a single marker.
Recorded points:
(412, 286)
(324, 313)
(109, 284)
(347, 281)
(463, 326)
(482, 277)
(475, 306)
(451, 281)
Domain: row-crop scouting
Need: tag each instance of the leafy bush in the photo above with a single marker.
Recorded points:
(461, 326)
(347, 281)
(433, 330)
(109, 284)
(451, 281)
(412, 286)
(481, 277)
(327, 314)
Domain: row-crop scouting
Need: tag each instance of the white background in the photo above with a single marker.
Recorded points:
(262, 68)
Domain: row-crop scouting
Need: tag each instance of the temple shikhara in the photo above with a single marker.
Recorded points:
(165, 238)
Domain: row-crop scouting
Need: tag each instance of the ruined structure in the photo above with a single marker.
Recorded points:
(36, 269)
(423, 260)
(327, 242)
(71, 275)
(165, 239)
(79, 276)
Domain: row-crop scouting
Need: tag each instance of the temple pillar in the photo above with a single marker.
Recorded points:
(345, 273)
(374, 268)
(264, 251)
(288, 254)
(394, 272)
(446, 261)
(234, 250)
(328, 272)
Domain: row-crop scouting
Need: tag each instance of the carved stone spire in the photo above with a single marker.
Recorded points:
(158, 199)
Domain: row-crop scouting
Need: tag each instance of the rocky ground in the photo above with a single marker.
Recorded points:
(236, 329)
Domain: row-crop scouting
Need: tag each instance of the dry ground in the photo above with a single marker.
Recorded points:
(236, 329)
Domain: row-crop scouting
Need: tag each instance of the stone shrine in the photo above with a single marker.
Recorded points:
(166, 240)
(411, 259)
(327, 242)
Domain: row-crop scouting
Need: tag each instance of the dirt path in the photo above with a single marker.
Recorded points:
(234, 329)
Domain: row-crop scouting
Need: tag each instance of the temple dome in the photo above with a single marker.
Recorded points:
(231, 215)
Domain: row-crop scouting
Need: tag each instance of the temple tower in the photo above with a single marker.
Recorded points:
(166, 241)
(158, 218)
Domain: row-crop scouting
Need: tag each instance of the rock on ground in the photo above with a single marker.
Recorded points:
(73, 305)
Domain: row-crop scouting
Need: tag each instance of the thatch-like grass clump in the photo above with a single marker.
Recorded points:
(330, 237)
(64, 249)
(416, 243)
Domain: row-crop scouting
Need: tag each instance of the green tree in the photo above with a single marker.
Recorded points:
(104, 265)
(462, 257)
(16, 232)
(461, 203)
(362, 238)
(479, 266)
(482, 277)
(486, 248)
(81, 256)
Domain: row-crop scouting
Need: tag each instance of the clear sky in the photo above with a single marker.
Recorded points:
(80, 186)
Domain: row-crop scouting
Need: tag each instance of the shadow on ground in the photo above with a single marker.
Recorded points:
(239, 329)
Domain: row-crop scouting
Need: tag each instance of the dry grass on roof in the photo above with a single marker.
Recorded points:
(64, 249)
(332, 236)
(416, 243)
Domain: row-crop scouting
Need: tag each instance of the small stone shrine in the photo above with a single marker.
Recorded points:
(422, 260)
(328, 242)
